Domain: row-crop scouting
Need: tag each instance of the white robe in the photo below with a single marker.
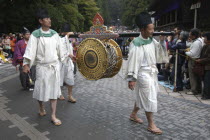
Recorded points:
(67, 69)
(142, 69)
(45, 53)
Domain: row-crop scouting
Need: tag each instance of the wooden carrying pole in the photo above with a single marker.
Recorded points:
(175, 73)
(136, 34)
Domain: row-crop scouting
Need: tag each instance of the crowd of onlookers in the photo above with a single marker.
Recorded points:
(189, 63)
(7, 46)
(8, 42)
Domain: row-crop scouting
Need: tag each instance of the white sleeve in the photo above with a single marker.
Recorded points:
(131, 78)
(68, 49)
(31, 50)
(161, 52)
(194, 49)
(63, 54)
(68, 44)
(134, 61)
(188, 44)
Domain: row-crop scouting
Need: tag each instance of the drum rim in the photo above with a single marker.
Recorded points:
(104, 73)
(105, 52)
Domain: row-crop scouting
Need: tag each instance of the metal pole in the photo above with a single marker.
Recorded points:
(195, 18)
(175, 74)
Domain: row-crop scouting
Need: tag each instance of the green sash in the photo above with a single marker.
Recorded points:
(139, 41)
(38, 33)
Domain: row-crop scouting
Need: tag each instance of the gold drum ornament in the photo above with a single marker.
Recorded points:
(97, 59)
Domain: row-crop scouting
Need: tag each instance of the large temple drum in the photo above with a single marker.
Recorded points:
(97, 59)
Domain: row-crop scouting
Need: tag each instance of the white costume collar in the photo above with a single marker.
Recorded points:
(143, 38)
(46, 32)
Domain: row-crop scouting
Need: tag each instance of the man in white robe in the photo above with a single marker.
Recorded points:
(144, 53)
(45, 49)
(67, 70)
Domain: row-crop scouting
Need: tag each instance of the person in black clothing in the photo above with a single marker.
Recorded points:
(181, 46)
(205, 60)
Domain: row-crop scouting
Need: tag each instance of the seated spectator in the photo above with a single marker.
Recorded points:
(6, 45)
(3, 56)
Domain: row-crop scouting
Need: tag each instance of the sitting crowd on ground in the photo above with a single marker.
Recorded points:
(7, 46)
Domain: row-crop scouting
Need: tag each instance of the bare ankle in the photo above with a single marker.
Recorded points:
(152, 125)
(41, 108)
(133, 114)
(53, 117)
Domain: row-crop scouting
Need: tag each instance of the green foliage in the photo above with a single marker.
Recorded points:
(56, 16)
(14, 14)
(132, 8)
(88, 9)
(72, 16)
(121, 12)
(104, 10)
(111, 10)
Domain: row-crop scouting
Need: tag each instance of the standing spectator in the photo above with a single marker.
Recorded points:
(12, 44)
(174, 40)
(19, 37)
(18, 60)
(205, 59)
(194, 53)
(181, 45)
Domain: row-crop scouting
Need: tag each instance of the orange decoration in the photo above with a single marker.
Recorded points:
(98, 20)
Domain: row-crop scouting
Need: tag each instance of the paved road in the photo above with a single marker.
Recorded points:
(101, 113)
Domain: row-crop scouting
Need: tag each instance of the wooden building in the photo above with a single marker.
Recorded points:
(186, 13)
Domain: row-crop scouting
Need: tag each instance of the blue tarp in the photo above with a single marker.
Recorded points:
(166, 84)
